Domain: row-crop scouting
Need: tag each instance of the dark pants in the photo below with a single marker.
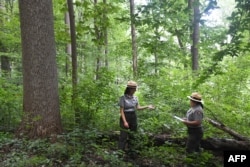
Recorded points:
(127, 134)
(194, 138)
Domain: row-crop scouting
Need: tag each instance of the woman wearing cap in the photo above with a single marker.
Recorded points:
(193, 121)
(128, 120)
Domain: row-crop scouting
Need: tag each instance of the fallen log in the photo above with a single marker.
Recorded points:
(214, 144)
(224, 144)
(226, 129)
(162, 139)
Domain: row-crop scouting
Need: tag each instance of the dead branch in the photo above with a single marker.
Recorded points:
(226, 129)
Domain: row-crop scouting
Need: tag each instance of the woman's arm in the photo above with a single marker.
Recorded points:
(144, 107)
(125, 123)
(192, 123)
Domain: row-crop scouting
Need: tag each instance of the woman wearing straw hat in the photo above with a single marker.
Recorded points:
(193, 121)
(128, 120)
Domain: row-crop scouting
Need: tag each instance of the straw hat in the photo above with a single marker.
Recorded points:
(195, 97)
(131, 84)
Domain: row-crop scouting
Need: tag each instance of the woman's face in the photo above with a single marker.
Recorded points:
(192, 103)
(132, 90)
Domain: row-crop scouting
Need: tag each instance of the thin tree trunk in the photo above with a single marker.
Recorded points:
(68, 47)
(98, 39)
(5, 60)
(155, 50)
(105, 36)
(194, 5)
(5, 66)
(133, 35)
(182, 47)
(73, 44)
(156, 61)
(74, 59)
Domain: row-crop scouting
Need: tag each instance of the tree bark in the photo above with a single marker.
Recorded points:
(73, 44)
(195, 28)
(5, 66)
(40, 84)
(224, 144)
(133, 35)
(98, 34)
(5, 60)
(105, 35)
(68, 46)
(74, 60)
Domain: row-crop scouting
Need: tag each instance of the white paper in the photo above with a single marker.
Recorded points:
(180, 119)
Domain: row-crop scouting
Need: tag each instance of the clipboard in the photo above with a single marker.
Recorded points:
(178, 118)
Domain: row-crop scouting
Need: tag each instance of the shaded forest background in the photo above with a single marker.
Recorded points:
(159, 58)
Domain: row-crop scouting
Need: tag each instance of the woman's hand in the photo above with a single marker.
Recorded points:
(185, 122)
(126, 124)
(151, 107)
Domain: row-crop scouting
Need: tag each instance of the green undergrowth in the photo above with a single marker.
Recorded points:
(91, 148)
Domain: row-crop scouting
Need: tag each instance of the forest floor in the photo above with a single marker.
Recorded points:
(86, 152)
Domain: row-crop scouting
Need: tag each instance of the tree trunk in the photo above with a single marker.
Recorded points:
(40, 85)
(68, 47)
(99, 39)
(224, 144)
(133, 35)
(194, 6)
(73, 44)
(105, 35)
(155, 50)
(5, 66)
(74, 60)
(5, 61)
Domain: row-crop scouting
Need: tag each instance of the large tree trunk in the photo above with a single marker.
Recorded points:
(40, 84)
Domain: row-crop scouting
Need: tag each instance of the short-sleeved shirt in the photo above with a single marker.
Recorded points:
(195, 114)
(129, 103)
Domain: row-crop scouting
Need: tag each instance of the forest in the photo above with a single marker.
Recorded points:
(65, 64)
